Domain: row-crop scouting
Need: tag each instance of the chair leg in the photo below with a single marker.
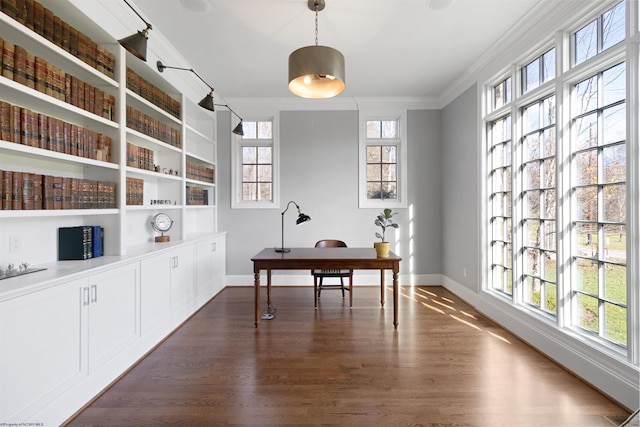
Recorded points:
(350, 290)
(319, 287)
(342, 287)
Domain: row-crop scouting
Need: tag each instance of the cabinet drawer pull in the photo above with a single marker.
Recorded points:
(94, 293)
(85, 296)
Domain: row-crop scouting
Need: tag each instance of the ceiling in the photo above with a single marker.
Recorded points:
(392, 48)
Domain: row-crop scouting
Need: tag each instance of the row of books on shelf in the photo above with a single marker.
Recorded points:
(149, 126)
(32, 191)
(27, 127)
(34, 72)
(44, 22)
(200, 172)
(197, 196)
(139, 157)
(80, 242)
(135, 191)
(152, 93)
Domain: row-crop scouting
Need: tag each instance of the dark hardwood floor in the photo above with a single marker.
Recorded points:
(446, 365)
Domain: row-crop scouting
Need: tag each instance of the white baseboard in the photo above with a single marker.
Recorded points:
(360, 278)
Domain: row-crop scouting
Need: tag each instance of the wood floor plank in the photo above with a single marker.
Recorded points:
(445, 365)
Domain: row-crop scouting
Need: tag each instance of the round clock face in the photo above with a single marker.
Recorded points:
(161, 222)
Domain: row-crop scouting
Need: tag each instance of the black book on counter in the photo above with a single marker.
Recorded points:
(75, 243)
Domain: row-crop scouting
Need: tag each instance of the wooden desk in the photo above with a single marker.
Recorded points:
(324, 258)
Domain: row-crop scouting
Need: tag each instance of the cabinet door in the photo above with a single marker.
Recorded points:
(40, 337)
(112, 313)
(205, 254)
(219, 264)
(182, 277)
(155, 291)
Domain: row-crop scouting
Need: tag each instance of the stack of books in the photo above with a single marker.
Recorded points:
(27, 127)
(32, 191)
(44, 22)
(34, 72)
(80, 242)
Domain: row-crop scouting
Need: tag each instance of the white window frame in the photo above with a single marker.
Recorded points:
(401, 143)
(237, 143)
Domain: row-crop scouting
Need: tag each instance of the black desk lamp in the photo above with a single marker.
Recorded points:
(301, 218)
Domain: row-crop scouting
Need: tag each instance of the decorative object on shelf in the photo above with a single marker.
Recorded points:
(136, 43)
(161, 223)
(384, 221)
(301, 218)
(12, 271)
(206, 102)
(316, 72)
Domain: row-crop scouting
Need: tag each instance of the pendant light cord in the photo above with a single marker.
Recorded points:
(316, 23)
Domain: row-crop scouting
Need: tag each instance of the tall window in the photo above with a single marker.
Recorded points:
(600, 204)
(500, 174)
(383, 159)
(539, 204)
(254, 165)
(559, 229)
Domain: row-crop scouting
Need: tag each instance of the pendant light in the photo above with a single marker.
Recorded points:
(136, 43)
(316, 71)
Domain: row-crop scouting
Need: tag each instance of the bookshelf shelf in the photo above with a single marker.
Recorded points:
(200, 183)
(57, 213)
(140, 138)
(52, 156)
(151, 175)
(154, 111)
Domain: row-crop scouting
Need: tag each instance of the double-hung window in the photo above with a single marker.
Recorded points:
(382, 156)
(254, 168)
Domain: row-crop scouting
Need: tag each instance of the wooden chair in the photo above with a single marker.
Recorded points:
(322, 274)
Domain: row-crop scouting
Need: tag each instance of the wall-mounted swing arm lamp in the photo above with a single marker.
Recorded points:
(206, 102)
(136, 43)
(301, 218)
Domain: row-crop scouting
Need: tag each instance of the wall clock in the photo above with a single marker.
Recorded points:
(161, 223)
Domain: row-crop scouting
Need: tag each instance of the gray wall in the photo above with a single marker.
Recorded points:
(319, 170)
(460, 199)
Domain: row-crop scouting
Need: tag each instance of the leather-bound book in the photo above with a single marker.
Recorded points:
(37, 191)
(48, 24)
(30, 70)
(16, 191)
(38, 18)
(27, 191)
(8, 59)
(5, 121)
(19, 65)
(40, 75)
(9, 8)
(6, 189)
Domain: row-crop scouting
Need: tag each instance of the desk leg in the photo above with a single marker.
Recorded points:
(256, 295)
(382, 287)
(269, 291)
(315, 292)
(395, 299)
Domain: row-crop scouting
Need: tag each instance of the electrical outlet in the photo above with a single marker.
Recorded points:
(15, 243)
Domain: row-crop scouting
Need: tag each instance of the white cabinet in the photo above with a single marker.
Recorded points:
(210, 272)
(112, 313)
(53, 338)
(41, 335)
(182, 276)
(155, 291)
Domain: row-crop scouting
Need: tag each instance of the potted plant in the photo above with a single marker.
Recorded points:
(384, 221)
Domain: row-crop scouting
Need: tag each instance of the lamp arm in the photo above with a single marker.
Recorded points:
(227, 106)
(282, 219)
(161, 67)
(139, 16)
